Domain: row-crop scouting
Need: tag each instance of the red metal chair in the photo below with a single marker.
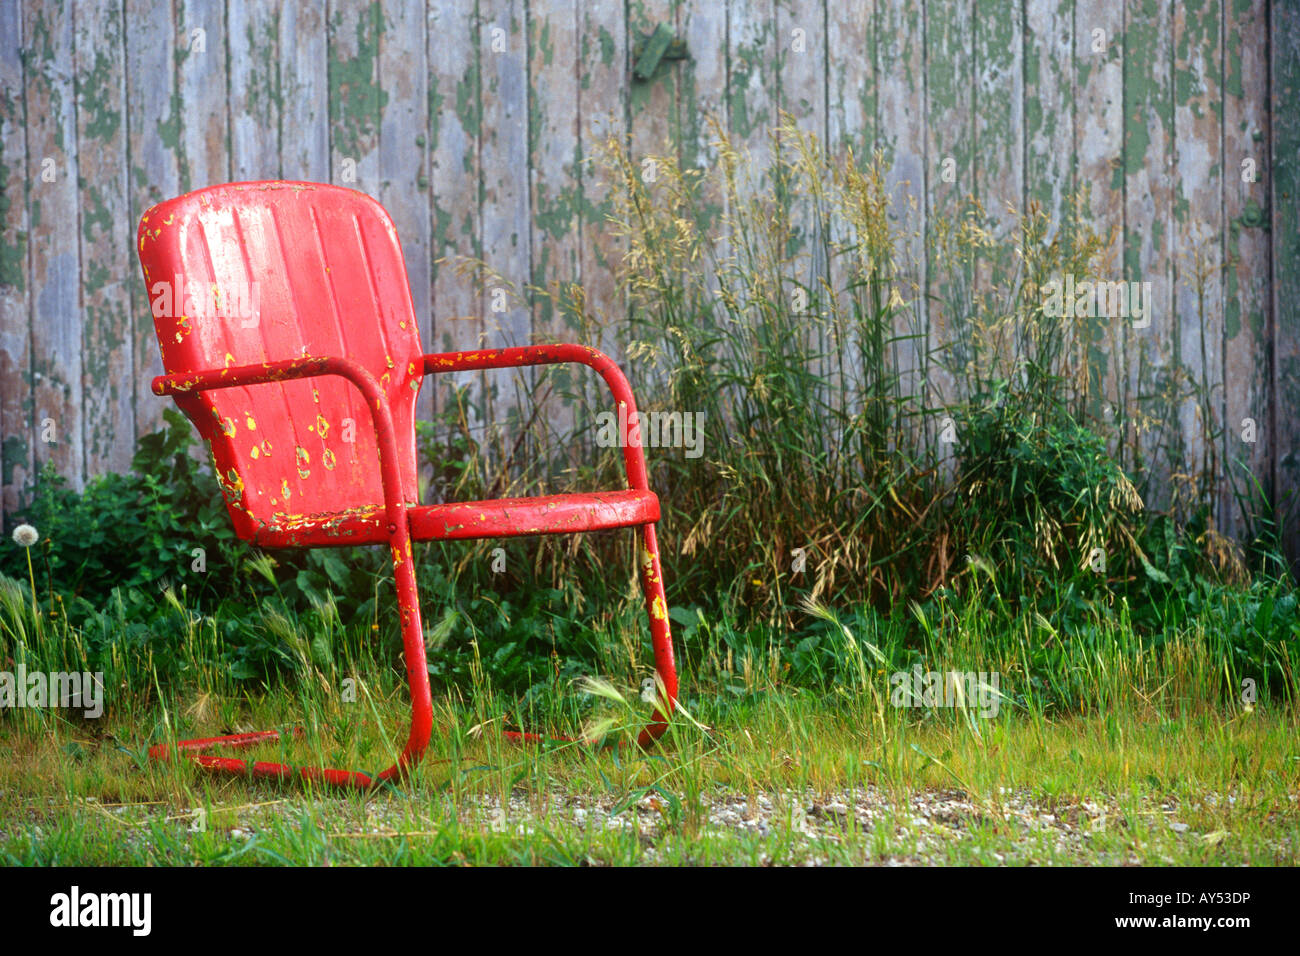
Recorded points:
(287, 332)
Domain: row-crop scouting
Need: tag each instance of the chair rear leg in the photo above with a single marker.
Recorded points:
(417, 679)
(652, 585)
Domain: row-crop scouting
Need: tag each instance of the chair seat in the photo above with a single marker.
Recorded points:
(464, 520)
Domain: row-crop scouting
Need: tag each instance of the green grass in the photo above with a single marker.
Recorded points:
(1126, 753)
(1120, 781)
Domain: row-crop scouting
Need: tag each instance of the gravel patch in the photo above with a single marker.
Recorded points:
(863, 825)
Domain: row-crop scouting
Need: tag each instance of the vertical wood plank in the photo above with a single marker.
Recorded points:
(1099, 109)
(703, 93)
(404, 158)
(1284, 37)
(356, 98)
(603, 96)
(304, 86)
(556, 196)
(1197, 236)
(55, 277)
(801, 65)
(256, 95)
(1050, 105)
(15, 323)
(455, 125)
(201, 73)
(854, 82)
(506, 223)
(1098, 160)
(703, 110)
(752, 93)
(1246, 181)
(800, 53)
(153, 128)
(1148, 226)
(901, 136)
(950, 134)
(651, 106)
(800, 77)
(999, 159)
(106, 239)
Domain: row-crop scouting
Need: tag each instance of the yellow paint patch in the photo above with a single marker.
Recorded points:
(657, 609)
(327, 459)
(248, 420)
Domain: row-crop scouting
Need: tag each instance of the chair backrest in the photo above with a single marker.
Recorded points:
(248, 273)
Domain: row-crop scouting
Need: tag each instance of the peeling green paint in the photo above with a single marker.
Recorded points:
(436, 99)
(544, 44)
(16, 454)
(94, 213)
(96, 277)
(13, 243)
(1231, 305)
(265, 94)
(558, 216)
(469, 107)
(607, 47)
(102, 121)
(747, 63)
(356, 100)
(169, 134)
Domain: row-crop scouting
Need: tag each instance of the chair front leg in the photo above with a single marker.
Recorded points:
(652, 585)
(417, 670)
(417, 679)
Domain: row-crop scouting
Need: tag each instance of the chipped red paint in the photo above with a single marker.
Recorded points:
(220, 373)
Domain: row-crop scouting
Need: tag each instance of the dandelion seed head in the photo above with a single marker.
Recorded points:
(26, 536)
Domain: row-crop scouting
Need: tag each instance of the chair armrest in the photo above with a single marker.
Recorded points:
(558, 354)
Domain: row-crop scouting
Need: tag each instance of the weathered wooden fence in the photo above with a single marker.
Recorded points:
(471, 120)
